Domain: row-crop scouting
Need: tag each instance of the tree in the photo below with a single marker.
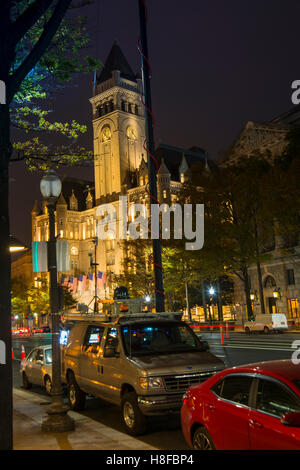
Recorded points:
(33, 297)
(17, 19)
(237, 221)
(136, 273)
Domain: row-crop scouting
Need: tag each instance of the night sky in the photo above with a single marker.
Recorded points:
(216, 65)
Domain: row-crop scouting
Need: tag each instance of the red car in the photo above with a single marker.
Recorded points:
(256, 406)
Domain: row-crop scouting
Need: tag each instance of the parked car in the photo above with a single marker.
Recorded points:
(143, 365)
(36, 368)
(267, 323)
(254, 407)
(46, 329)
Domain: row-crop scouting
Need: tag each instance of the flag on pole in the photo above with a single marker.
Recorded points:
(70, 283)
(75, 284)
(91, 283)
(99, 280)
(81, 282)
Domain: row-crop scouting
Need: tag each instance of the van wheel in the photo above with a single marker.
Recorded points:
(132, 417)
(76, 397)
(266, 330)
(48, 384)
(202, 440)
(247, 330)
(26, 383)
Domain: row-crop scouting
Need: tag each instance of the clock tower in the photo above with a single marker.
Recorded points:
(118, 126)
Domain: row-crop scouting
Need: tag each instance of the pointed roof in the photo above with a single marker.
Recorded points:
(163, 170)
(36, 208)
(61, 201)
(116, 61)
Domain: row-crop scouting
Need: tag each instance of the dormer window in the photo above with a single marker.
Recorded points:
(165, 194)
(182, 178)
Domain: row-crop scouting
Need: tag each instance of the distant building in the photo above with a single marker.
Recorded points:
(280, 275)
(120, 169)
(21, 267)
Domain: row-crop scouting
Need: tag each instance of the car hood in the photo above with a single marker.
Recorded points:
(178, 363)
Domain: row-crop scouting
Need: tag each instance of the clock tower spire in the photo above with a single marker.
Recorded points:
(118, 125)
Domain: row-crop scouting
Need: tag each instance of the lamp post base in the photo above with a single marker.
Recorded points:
(58, 420)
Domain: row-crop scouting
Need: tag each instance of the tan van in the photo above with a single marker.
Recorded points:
(145, 365)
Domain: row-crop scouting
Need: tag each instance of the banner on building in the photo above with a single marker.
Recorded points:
(40, 256)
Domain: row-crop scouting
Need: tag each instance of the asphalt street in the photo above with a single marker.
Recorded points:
(165, 433)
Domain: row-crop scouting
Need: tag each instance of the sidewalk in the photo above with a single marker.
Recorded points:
(88, 434)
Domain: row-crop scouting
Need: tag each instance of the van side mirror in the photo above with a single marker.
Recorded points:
(205, 345)
(291, 419)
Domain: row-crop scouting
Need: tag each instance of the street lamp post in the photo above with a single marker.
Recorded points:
(58, 419)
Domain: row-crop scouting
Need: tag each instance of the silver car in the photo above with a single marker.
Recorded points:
(36, 368)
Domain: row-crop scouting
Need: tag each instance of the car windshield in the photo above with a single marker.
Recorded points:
(158, 339)
(48, 356)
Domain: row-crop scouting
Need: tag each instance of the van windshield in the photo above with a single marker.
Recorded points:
(158, 339)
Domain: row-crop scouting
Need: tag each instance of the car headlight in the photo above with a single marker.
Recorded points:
(151, 382)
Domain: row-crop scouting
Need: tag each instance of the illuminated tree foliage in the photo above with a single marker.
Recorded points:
(29, 111)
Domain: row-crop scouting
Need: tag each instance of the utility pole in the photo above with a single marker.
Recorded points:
(156, 243)
(58, 420)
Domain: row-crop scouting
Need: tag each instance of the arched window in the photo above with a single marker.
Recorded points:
(270, 282)
(105, 134)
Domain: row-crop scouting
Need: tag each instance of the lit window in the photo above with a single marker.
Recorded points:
(182, 177)
(164, 193)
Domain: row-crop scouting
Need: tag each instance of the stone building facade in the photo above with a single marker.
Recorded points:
(281, 273)
(120, 169)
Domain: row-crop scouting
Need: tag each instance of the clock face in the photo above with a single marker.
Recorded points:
(106, 134)
(131, 133)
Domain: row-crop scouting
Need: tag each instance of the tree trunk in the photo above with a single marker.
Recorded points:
(261, 290)
(260, 284)
(187, 301)
(5, 305)
(204, 300)
(247, 292)
(220, 310)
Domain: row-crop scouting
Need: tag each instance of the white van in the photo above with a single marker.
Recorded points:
(267, 323)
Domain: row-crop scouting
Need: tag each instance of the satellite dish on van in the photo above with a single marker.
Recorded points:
(120, 293)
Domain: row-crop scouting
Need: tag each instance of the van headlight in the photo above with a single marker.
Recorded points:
(147, 383)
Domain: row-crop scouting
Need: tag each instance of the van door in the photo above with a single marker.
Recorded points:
(89, 359)
(111, 367)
